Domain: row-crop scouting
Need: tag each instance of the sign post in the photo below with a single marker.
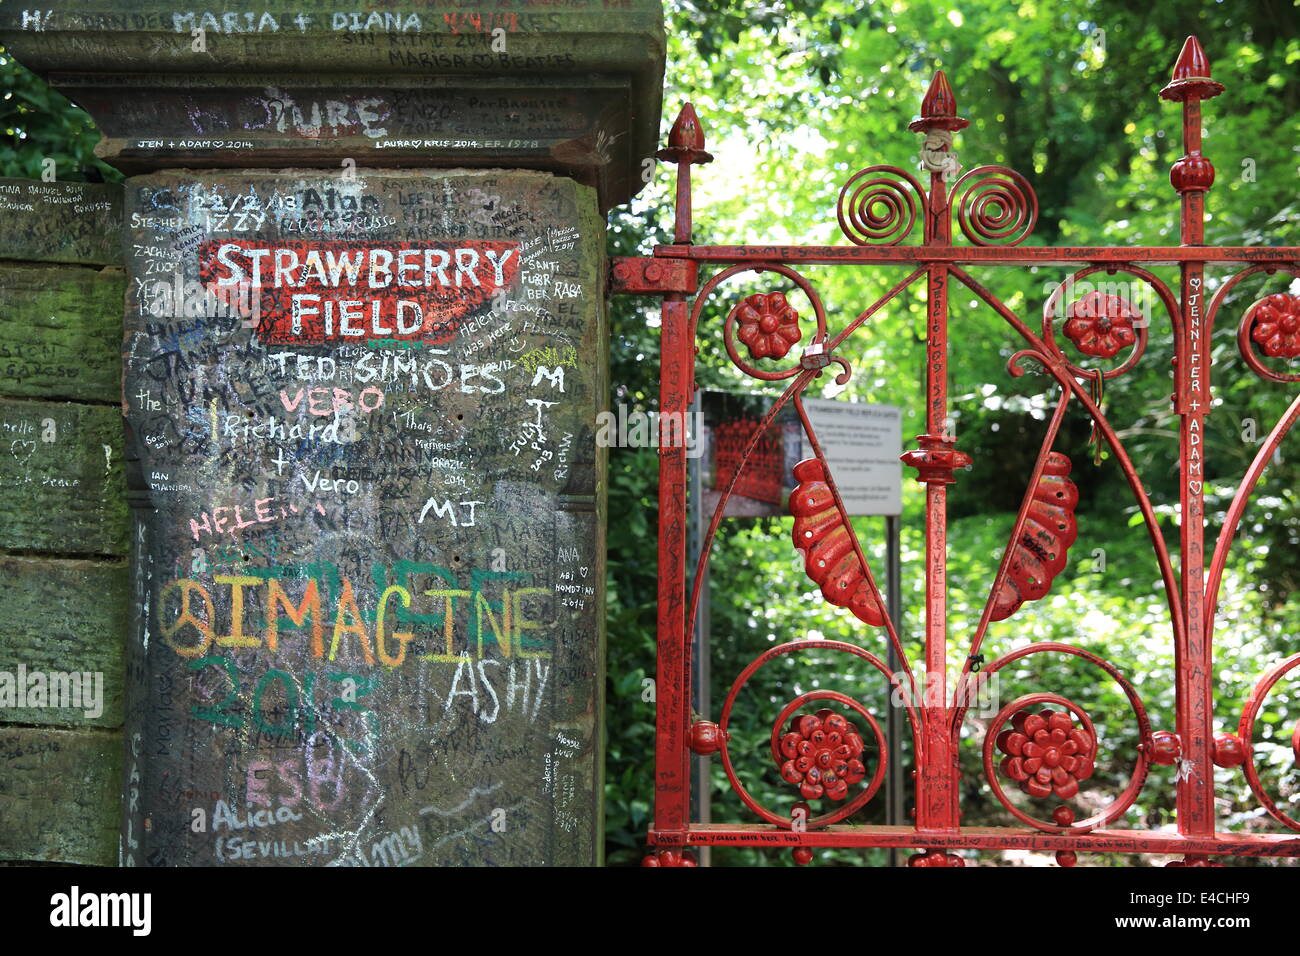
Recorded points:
(863, 443)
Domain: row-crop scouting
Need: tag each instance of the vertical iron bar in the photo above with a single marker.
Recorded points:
(682, 219)
(1192, 176)
(894, 793)
(701, 794)
(936, 784)
(676, 394)
(1194, 696)
(935, 808)
(672, 688)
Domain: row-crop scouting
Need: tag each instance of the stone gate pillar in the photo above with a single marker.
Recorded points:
(364, 352)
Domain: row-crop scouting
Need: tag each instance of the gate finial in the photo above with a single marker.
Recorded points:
(1191, 79)
(1193, 173)
(938, 108)
(686, 139)
(686, 134)
(685, 148)
(938, 121)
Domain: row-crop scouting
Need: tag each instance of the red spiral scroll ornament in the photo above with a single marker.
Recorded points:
(996, 207)
(1274, 323)
(878, 205)
(822, 754)
(1046, 753)
(831, 556)
(1040, 552)
(768, 324)
(1101, 325)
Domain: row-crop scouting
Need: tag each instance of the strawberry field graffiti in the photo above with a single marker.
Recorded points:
(363, 592)
(337, 291)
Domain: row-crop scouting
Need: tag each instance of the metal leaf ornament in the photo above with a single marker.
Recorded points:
(824, 536)
(1040, 551)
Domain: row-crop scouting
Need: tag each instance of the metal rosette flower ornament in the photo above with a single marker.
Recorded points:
(821, 753)
(1105, 320)
(1046, 746)
(824, 744)
(1102, 325)
(1274, 323)
(768, 325)
(765, 327)
(1046, 753)
(1271, 328)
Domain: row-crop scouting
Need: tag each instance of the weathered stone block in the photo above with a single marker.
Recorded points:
(61, 478)
(66, 616)
(399, 442)
(60, 222)
(61, 332)
(60, 795)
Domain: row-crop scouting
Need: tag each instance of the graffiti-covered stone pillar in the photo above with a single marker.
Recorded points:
(364, 354)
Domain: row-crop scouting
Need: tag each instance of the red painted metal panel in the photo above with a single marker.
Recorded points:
(1043, 743)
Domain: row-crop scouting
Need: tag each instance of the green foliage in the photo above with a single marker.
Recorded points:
(40, 124)
(796, 96)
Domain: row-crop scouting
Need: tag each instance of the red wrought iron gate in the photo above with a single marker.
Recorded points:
(1042, 742)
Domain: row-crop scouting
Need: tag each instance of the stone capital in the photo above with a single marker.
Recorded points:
(570, 86)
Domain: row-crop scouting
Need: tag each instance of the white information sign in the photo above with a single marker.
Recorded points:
(862, 443)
